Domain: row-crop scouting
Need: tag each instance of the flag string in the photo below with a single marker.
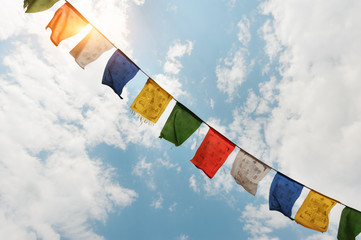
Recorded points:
(207, 124)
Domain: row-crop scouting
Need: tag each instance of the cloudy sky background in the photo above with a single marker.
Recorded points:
(279, 78)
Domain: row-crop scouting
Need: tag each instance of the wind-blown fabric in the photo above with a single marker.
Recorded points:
(180, 125)
(248, 172)
(90, 48)
(151, 101)
(283, 194)
(350, 224)
(34, 6)
(212, 152)
(66, 22)
(314, 211)
(118, 72)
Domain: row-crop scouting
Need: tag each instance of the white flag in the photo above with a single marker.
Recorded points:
(247, 172)
(90, 48)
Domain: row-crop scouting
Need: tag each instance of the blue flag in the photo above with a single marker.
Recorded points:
(283, 194)
(118, 72)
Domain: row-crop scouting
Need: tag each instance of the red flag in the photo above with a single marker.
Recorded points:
(212, 153)
(67, 22)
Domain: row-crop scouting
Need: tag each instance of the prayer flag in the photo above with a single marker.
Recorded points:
(38, 5)
(181, 124)
(118, 72)
(151, 101)
(212, 152)
(350, 224)
(314, 211)
(90, 48)
(248, 172)
(283, 194)
(67, 22)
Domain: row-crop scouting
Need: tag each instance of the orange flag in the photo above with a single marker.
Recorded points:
(212, 153)
(314, 211)
(67, 22)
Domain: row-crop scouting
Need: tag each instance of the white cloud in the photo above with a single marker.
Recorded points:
(172, 207)
(232, 72)
(231, 3)
(222, 182)
(139, 2)
(183, 237)
(165, 162)
(157, 203)
(211, 103)
(172, 67)
(172, 8)
(176, 51)
(244, 35)
(14, 11)
(272, 46)
(260, 221)
(142, 168)
(52, 112)
(193, 183)
(58, 196)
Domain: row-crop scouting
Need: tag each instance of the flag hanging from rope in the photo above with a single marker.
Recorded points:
(151, 102)
(283, 194)
(180, 125)
(33, 6)
(118, 72)
(248, 172)
(314, 211)
(212, 152)
(350, 224)
(66, 22)
(90, 48)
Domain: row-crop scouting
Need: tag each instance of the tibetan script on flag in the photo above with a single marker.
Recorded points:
(118, 72)
(283, 194)
(212, 152)
(248, 172)
(151, 101)
(90, 48)
(314, 211)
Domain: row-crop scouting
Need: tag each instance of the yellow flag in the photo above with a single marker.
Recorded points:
(151, 101)
(314, 211)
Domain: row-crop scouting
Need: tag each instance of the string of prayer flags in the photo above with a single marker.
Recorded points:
(66, 22)
(248, 172)
(212, 152)
(90, 48)
(33, 6)
(350, 224)
(180, 125)
(151, 101)
(314, 211)
(283, 194)
(118, 72)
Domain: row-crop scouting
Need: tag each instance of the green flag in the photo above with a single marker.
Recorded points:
(181, 124)
(350, 224)
(38, 5)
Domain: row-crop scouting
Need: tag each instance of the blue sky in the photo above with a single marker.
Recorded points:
(280, 79)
